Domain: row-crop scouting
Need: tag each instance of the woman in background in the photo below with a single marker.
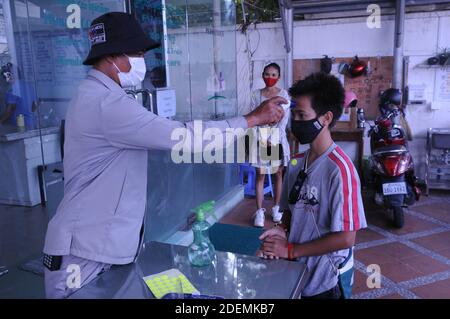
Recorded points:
(269, 165)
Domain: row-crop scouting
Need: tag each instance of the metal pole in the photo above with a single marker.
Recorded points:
(287, 20)
(397, 71)
(290, 55)
(243, 13)
(166, 42)
(216, 56)
(287, 44)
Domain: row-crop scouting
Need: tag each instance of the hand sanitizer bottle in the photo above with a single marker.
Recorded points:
(201, 252)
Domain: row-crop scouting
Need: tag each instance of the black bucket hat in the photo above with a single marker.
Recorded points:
(115, 33)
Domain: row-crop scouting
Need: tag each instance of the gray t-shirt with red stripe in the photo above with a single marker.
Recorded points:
(330, 199)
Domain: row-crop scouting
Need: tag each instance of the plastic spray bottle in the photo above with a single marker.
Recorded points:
(201, 252)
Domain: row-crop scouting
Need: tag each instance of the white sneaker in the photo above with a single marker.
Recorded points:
(260, 217)
(276, 214)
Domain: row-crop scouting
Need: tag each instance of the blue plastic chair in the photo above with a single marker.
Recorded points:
(249, 187)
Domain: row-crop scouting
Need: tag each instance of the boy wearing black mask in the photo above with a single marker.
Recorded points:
(321, 194)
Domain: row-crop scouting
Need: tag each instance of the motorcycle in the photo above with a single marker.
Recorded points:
(392, 165)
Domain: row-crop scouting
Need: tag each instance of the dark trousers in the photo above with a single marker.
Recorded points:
(333, 293)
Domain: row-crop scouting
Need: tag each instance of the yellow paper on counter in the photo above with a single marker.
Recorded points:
(169, 281)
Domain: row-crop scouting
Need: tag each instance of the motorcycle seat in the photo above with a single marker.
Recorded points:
(390, 149)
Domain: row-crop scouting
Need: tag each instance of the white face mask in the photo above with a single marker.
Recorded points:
(136, 74)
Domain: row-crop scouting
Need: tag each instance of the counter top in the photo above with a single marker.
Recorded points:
(10, 133)
(231, 276)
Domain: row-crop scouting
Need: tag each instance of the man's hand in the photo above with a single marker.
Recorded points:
(269, 112)
(274, 231)
(275, 246)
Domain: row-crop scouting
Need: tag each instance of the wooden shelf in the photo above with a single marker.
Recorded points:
(351, 135)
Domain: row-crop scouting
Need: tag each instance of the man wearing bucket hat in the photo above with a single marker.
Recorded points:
(107, 134)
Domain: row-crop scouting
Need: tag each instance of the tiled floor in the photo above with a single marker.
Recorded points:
(414, 261)
(22, 231)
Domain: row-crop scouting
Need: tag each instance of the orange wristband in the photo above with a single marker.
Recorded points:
(290, 248)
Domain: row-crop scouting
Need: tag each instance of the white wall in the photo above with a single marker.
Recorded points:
(425, 34)
(267, 43)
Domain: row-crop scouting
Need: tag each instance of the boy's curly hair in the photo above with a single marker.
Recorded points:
(326, 93)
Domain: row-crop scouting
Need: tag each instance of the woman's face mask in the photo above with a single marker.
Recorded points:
(270, 81)
(136, 74)
(271, 76)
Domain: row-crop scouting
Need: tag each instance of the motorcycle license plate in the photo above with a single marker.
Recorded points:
(394, 188)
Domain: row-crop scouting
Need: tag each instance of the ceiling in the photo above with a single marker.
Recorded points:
(350, 7)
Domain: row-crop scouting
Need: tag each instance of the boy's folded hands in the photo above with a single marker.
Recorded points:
(274, 244)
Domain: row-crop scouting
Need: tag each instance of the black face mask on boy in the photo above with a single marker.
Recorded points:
(306, 131)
